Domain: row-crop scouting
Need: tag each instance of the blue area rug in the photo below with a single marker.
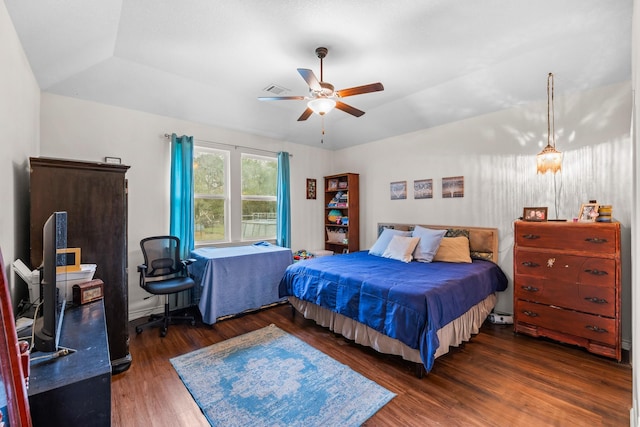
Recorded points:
(271, 378)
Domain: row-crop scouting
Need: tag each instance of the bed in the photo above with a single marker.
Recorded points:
(416, 310)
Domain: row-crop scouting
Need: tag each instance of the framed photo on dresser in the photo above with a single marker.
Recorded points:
(534, 214)
(588, 212)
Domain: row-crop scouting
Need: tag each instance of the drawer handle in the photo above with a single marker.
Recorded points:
(531, 313)
(530, 288)
(530, 236)
(597, 300)
(530, 264)
(596, 272)
(595, 240)
(596, 329)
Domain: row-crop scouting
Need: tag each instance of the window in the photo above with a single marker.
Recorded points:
(259, 185)
(234, 196)
(211, 194)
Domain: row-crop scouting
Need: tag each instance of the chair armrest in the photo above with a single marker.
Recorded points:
(142, 268)
(188, 261)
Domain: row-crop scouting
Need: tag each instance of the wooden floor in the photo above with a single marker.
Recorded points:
(496, 379)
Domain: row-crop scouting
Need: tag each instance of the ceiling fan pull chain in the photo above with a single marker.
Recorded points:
(322, 137)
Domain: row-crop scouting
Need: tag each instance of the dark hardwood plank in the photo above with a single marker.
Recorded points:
(498, 378)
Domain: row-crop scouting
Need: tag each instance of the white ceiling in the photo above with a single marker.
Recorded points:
(208, 61)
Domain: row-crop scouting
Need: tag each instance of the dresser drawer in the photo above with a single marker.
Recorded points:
(596, 238)
(566, 268)
(591, 327)
(591, 299)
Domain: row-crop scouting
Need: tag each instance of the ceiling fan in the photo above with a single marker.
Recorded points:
(322, 95)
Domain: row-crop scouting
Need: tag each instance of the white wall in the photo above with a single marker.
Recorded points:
(82, 130)
(635, 232)
(19, 123)
(496, 155)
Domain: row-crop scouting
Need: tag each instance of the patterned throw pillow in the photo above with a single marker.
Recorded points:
(457, 232)
(488, 256)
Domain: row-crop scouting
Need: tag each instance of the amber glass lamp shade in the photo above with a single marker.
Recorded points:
(549, 160)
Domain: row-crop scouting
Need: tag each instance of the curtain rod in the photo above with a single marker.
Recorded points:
(166, 135)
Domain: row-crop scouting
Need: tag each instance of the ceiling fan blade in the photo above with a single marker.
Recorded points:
(349, 109)
(304, 116)
(373, 87)
(279, 98)
(310, 78)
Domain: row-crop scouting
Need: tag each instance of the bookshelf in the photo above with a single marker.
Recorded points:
(342, 213)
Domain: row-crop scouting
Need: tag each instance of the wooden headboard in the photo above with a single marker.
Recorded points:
(482, 240)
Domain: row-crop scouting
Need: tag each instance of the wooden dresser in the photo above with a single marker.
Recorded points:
(567, 283)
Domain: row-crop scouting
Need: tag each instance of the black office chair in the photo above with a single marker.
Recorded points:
(164, 273)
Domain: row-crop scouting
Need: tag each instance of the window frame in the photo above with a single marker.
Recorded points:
(233, 193)
(225, 196)
(255, 197)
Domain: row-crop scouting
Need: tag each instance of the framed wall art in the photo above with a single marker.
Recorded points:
(311, 188)
(534, 214)
(423, 189)
(452, 186)
(398, 190)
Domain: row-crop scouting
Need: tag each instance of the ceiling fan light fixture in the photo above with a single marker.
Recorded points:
(321, 106)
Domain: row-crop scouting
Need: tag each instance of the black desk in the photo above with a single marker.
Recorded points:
(74, 390)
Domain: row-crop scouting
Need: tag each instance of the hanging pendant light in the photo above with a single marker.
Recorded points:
(550, 159)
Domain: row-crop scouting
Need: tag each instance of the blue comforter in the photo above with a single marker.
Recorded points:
(406, 301)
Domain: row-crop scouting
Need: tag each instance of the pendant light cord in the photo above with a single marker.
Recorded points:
(555, 194)
(551, 116)
(551, 133)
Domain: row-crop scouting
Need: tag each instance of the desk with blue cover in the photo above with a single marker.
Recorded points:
(235, 279)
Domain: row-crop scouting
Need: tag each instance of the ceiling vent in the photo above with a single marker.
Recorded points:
(275, 89)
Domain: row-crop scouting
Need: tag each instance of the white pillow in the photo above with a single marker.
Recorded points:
(401, 248)
(429, 242)
(385, 237)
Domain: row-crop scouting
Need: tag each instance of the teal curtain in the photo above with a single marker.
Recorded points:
(283, 225)
(181, 215)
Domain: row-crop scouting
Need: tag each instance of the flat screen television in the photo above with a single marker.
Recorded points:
(47, 326)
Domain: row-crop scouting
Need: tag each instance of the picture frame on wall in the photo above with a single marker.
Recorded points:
(453, 187)
(311, 188)
(588, 212)
(537, 214)
(423, 189)
(398, 190)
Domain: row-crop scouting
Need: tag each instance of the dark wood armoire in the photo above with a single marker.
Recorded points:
(94, 195)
